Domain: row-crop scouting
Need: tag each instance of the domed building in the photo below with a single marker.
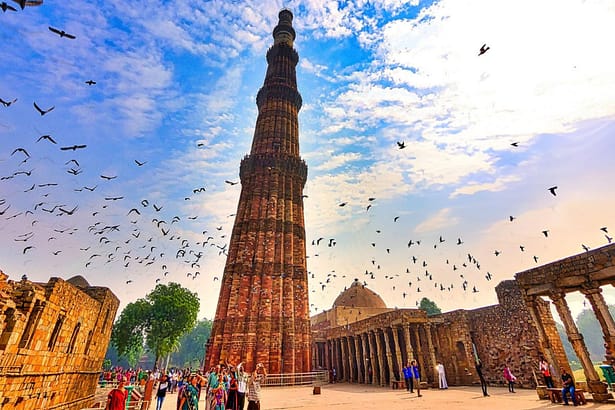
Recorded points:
(367, 342)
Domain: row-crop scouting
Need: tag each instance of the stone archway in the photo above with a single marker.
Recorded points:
(586, 273)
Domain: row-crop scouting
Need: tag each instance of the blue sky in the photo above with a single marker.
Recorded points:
(175, 88)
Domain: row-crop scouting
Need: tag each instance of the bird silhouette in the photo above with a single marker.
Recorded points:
(401, 145)
(41, 111)
(512, 218)
(483, 49)
(140, 164)
(3, 102)
(552, 190)
(73, 147)
(545, 233)
(343, 204)
(61, 33)
(231, 183)
(6, 7)
(585, 247)
(46, 137)
(108, 178)
(90, 82)
(603, 229)
(23, 151)
(515, 144)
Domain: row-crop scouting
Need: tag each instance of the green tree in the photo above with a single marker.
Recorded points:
(156, 322)
(430, 307)
(192, 345)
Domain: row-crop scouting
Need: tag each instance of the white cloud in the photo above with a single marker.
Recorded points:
(441, 219)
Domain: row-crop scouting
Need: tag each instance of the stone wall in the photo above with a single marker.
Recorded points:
(506, 333)
(53, 341)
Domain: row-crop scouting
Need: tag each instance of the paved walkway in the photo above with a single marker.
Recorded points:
(355, 396)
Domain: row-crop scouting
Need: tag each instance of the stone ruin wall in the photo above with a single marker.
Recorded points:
(501, 333)
(506, 333)
(52, 343)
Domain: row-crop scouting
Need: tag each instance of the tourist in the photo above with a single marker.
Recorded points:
(407, 371)
(547, 372)
(479, 371)
(568, 387)
(334, 375)
(163, 385)
(116, 400)
(212, 383)
(510, 378)
(189, 399)
(416, 376)
(242, 386)
(220, 398)
(441, 376)
(232, 397)
(254, 387)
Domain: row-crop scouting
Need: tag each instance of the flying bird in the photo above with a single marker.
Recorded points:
(140, 163)
(41, 111)
(603, 229)
(484, 48)
(90, 82)
(21, 150)
(552, 190)
(515, 144)
(401, 145)
(231, 182)
(73, 147)
(585, 247)
(108, 178)
(61, 33)
(545, 233)
(46, 137)
(7, 103)
(512, 218)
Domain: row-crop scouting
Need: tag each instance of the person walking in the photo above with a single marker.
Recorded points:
(254, 387)
(116, 400)
(163, 386)
(547, 372)
(416, 377)
(483, 383)
(510, 378)
(441, 376)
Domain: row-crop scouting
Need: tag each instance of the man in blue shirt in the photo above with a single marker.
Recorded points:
(407, 370)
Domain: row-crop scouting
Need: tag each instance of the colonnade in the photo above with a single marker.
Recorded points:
(377, 356)
(593, 293)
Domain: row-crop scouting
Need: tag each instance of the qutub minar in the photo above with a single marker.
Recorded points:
(262, 314)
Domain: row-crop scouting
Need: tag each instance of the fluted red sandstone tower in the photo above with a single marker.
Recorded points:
(262, 313)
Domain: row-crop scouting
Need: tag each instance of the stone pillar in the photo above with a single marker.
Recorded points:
(350, 359)
(400, 363)
(432, 353)
(389, 354)
(380, 355)
(601, 310)
(344, 355)
(531, 304)
(327, 355)
(357, 356)
(595, 386)
(409, 352)
(373, 358)
(366, 362)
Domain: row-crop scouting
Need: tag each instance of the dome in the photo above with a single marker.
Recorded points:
(79, 281)
(359, 296)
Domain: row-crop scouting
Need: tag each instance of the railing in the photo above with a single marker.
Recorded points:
(297, 379)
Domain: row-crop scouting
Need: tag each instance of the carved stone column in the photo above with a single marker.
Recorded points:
(344, 357)
(327, 355)
(366, 362)
(601, 310)
(409, 352)
(373, 358)
(432, 352)
(531, 304)
(389, 354)
(380, 355)
(596, 387)
(351, 358)
(357, 356)
(400, 363)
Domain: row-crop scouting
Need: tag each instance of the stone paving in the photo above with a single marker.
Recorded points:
(353, 396)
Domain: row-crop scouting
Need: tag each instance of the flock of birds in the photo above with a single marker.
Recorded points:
(147, 244)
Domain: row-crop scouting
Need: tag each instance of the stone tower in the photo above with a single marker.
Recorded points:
(262, 314)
